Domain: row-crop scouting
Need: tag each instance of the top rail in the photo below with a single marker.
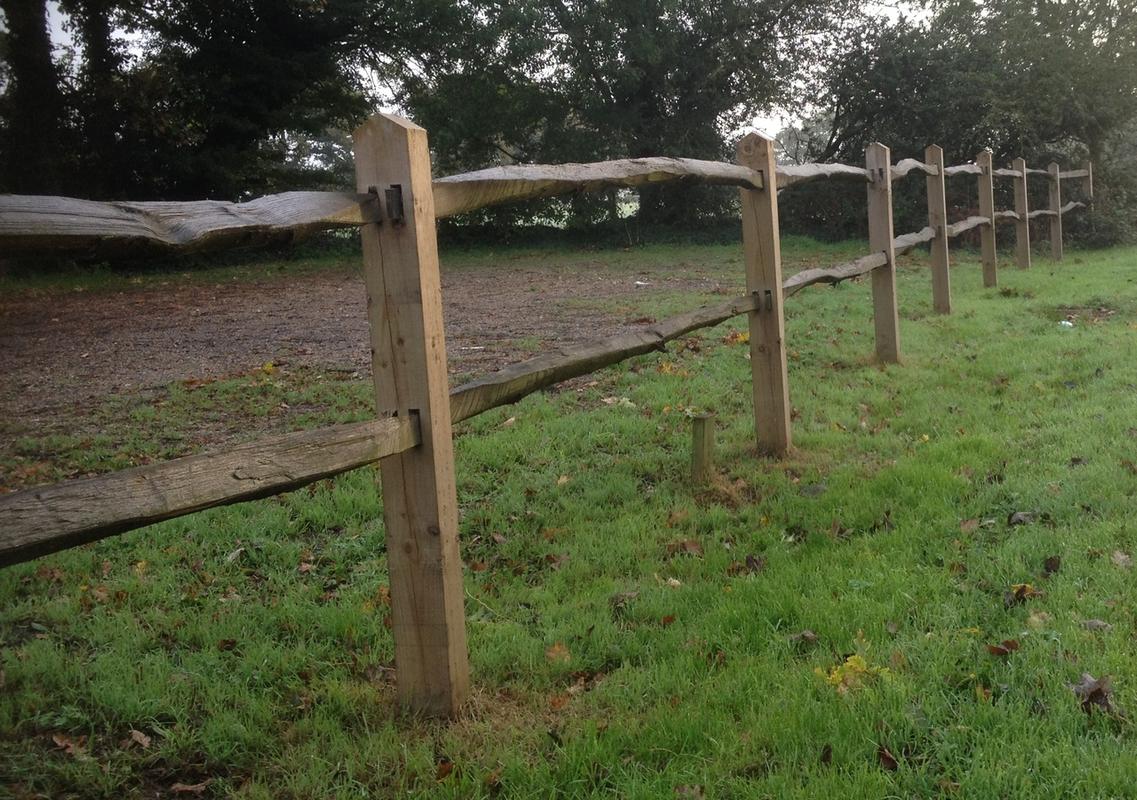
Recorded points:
(44, 224)
(457, 194)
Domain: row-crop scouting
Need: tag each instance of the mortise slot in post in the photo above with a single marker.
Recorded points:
(395, 204)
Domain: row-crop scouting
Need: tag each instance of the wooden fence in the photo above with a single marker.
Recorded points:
(395, 206)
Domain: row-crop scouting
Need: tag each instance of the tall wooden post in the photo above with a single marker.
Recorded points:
(937, 218)
(762, 253)
(987, 209)
(1022, 208)
(1056, 207)
(1088, 182)
(886, 317)
(408, 362)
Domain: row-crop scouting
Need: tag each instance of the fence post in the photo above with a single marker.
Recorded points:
(762, 253)
(1056, 207)
(408, 361)
(886, 317)
(1088, 182)
(987, 209)
(1022, 208)
(702, 448)
(937, 218)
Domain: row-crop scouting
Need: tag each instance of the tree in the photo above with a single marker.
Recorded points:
(32, 105)
(1055, 79)
(565, 80)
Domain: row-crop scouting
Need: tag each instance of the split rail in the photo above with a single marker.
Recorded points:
(395, 207)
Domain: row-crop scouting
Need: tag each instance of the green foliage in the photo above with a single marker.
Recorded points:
(1046, 81)
(612, 657)
(573, 81)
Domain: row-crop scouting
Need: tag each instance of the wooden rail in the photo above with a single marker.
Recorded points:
(396, 205)
(50, 518)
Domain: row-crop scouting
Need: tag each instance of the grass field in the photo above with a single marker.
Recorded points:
(900, 609)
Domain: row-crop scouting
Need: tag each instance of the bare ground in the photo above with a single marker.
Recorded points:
(62, 352)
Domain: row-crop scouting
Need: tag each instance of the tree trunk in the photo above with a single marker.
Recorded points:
(100, 101)
(33, 104)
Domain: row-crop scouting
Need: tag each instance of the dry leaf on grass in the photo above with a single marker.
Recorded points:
(558, 653)
(191, 788)
(1004, 648)
(1094, 692)
(886, 759)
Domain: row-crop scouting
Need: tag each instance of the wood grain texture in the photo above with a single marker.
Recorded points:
(1007, 215)
(987, 250)
(1067, 174)
(1022, 215)
(762, 260)
(41, 224)
(702, 449)
(906, 165)
(50, 518)
(1006, 173)
(408, 365)
(519, 380)
(937, 221)
(886, 314)
(514, 382)
(457, 194)
(963, 169)
(964, 225)
(1055, 196)
(789, 174)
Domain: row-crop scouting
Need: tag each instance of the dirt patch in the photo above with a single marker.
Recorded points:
(1085, 313)
(62, 353)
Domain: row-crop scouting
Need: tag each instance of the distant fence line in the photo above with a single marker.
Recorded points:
(395, 206)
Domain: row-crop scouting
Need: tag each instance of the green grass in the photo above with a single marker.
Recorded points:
(249, 643)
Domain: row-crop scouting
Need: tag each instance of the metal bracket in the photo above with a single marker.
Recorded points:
(395, 204)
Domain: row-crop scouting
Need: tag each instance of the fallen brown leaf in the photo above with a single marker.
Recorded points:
(686, 547)
(1121, 559)
(76, 748)
(1019, 593)
(1051, 565)
(1003, 649)
(1094, 692)
(140, 738)
(191, 788)
(677, 517)
(752, 566)
(444, 768)
(886, 759)
(558, 653)
(804, 638)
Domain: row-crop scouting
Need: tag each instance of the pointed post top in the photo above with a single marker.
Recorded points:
(754, 145)
(386, 121)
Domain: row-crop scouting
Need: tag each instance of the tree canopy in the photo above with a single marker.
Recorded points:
(184, 99)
